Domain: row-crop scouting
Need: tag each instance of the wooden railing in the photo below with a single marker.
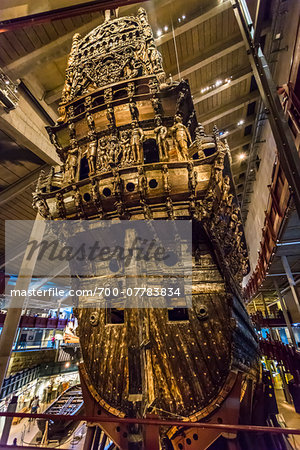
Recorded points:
(38, 322)
(283, 354)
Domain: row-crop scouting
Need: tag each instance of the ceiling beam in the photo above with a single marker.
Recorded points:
(216, 52)
(62, 13)
(243, 75)
(26, 126)
(35, 86)
(224, 110)
(235, 128)
(237, 145)
(203, 17)
(55, 49)
(21, 185)
(53, 95)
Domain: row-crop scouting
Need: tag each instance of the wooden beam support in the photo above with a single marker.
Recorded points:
(228, 109)
(19, 186)
(55, 49)
(243, 75)
(237, 145)
(63, 13)
(54, 95)
(208, 14)
(216, 52)
(234, 128)
(27, 127)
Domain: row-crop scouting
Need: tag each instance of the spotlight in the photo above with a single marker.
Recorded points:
(67, 365)
(159, 33)
(183, 17)
(240, 122)
(166, 28)
(218, 82)
(242, 156)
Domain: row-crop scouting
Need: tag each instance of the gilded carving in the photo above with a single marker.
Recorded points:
(124, 135)
(161, 133)
(181, 137)
(127, 154)
(136, 142)
(91, 153)
(71, 163)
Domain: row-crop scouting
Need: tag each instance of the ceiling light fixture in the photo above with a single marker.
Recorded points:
(166, 28)
(242, 156)
(240, 122)
(159, 33)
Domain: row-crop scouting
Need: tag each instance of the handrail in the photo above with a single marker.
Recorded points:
(155, 422)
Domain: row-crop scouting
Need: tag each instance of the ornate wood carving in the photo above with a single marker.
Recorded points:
(132, 149)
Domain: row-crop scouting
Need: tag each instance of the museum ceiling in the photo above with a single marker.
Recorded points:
(199, 40)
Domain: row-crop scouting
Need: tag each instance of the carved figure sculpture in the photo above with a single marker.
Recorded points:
(102, 154)
(181, 136)
(71, 164)
(40, 205)
(113, 150)
(226, 188)
(92, 153)
(137, 138)
(126, 148)
(133, 110)
(161, 139)
(142, 182)
(90, 121)
(111, 117)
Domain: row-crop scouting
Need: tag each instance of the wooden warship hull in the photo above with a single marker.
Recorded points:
(132, 150)
(186, 362)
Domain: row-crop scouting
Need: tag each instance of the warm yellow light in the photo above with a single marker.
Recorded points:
(242, 156)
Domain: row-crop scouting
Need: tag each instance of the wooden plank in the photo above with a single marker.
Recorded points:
(33, 37)
(77, 21)
(19, 186)
(8, 175)
(24, 40)
(14, 39)
(6, 43)
(203, 17)
(40, 31)
(68, 24)
(3, 183)
(59, 27)
(218, 51)
(54, 49)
